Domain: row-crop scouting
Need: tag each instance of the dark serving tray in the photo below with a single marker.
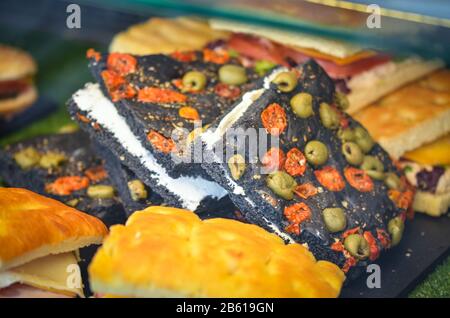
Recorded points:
(425, 243)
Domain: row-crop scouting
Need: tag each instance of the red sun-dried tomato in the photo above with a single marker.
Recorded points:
(358, 179)
(373, 247)
(227, 91)
(383, 237)
(295, 163)
(218, 56)
(401, 199)
(330, 178)
(117, 87)
(274, 119)
(337, 246)
(160, 95)
(350, 232)
(349, 263)
(293, 228)
(273, 159)
(297, 213)
(188, 112)
(83, 118)
(121, 63)
(163, 144)
(67, 185)
(93, 54)
(187, 56)
(305, 190)
(96, 174)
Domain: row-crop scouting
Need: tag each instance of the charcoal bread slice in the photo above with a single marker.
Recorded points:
(97, 115)
(291, 200)
(38, 163)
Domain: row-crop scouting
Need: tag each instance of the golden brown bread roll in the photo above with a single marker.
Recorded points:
(168, 252)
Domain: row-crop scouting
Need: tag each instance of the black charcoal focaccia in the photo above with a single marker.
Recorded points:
(136, 196)
(296, 189)
(138, 103)
(66, 168)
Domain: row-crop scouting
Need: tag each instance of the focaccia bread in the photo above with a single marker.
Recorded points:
(158, 35)
(167, 252)
(412, 116)
(33, 226)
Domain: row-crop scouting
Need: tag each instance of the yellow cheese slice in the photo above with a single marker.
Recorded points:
(58, 273)
(435, 153)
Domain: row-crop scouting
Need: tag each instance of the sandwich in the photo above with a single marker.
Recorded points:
(316, 176)
(17, 90)
(413, 125)
(39, 243)
(140, 100)
(168, 252)
(64, 167)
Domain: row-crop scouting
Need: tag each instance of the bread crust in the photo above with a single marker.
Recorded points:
(15, 63)
(33, 226)
(11, 106)
(171, 252)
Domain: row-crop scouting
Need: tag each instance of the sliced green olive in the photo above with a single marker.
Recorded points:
(301, 104)
(236, 164)
(137, 190)
(286, 81)
(363, 139)
(391, 180)
(27, 158)
(194, 81)
(51, 159)
(263, 66)
(373, 167)
(232, 74)
(100, 191)
(395, 228)
(346, 134)
(352, 153)
(335, 219)
(341, 100)
(316, 152)
(73, 203)
(328, 116)
(357, 246)
(282, 184)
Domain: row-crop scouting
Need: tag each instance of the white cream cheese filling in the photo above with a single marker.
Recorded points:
(190, 190)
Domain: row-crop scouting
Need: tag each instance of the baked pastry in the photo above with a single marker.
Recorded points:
(40, 237)
(66, 168)
(413, 125)
(17, 90)
(168, 252)
(314, 175)
(149, 103)
(158, 35)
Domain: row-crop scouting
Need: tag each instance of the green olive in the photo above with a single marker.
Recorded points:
(282, 184)
(328, 116)
(194, 81)
(232, 74)
(341, 100)
(352, 153)
(373, 167)
(51, 159)
(263, 66)
(363, 139)
(301, 105)
(137, 190)
(357, 246)
(395, 228)
(335, 219)
(316, 152)
(391, 180)
(346, 134)
(27, 158)
(236, 163)
(100, 191)
(73, 203)
(286, 81)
